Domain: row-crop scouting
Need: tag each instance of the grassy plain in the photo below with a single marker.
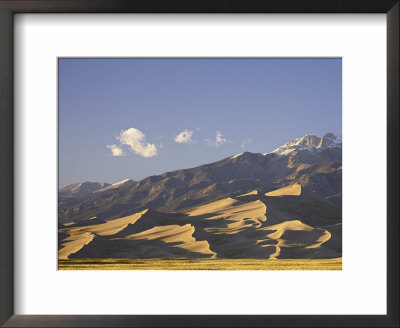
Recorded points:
(200, 264)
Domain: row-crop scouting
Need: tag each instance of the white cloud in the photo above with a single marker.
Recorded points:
(184, 137)
(246, 143)
(115, 150)
(136, 140)
(219, 140)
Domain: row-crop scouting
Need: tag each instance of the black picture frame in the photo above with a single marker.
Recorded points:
(10, 7)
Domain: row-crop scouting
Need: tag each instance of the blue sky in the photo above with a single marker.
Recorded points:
(131, 118)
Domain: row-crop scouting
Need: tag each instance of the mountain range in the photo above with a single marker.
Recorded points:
(283, 204)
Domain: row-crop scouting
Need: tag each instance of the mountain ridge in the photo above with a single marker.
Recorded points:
(315, 163)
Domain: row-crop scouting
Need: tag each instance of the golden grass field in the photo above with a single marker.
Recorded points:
(200, 264)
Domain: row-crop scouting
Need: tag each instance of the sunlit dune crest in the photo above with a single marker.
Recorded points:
(230, 209)
(74, 243)
(292, 190)
(169, 233)
(254, 192)
(114, 226)
(213, 207)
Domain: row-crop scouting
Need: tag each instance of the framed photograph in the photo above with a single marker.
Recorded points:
(197, 164)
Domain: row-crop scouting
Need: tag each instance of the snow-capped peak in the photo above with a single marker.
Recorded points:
(310, 142)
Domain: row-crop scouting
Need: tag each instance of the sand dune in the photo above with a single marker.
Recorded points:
(168, 234)
(182, 235)
(230, 216)
(114, 226)
(215, 207)
(296, 233)
(253, 225)
(74, 243)
(292, 190)
(231, 209)
(79, 236)
(174, 236)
